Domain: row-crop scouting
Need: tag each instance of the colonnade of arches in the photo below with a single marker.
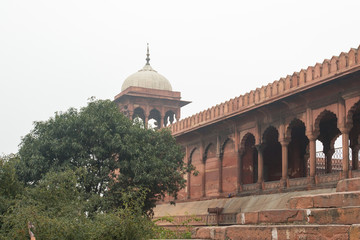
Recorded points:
(154, 118)
(279, 153)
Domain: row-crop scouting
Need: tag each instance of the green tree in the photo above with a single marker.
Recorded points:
(154, 163)
(10, 187)
(56, 209)
(112, 153)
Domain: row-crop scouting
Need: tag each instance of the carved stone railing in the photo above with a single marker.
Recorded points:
(272, 185)
(328, 178)
(227, 218)
(355, 173)
(298, 182)
(250, 187)
(198, 220)
(313, 75)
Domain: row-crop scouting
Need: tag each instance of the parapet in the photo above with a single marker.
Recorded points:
(291, 84)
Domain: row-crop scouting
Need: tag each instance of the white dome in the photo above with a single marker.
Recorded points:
(147, 78)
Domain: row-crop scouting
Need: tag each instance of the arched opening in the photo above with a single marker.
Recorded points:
(154, 121)
(139, 113)
(229, 167)
(354, 135)
(297, 150)
(249, 160)
(196, 181)
(211, 171)
(139, 116)
(326, 124)
(169, 118)
(272, 155)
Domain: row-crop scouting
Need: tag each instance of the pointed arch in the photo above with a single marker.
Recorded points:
(249, 154)
(154, 120)
(272, 155)
(326, 127)
(352, 111)
(210, 151)
(139, 113)
(169, 118)
(297, 149)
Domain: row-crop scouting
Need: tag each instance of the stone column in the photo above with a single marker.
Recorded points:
(203, 180)
(220, 173)
(188, 185)
(312, 157)
(186, 160)
(218, 156)
(239, 171)
(345, 151)
(146, 121)
(130, 115)
(160, 122)
(328, 151)
(284, 155)
(260, 148)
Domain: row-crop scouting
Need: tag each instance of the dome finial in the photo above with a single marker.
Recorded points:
(148, 55)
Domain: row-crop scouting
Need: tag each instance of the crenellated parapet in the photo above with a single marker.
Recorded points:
(291, 84)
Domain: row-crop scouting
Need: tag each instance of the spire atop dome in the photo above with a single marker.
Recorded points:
(147, 77)
(148, 55)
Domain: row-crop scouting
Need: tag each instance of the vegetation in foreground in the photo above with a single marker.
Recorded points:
(89, 174)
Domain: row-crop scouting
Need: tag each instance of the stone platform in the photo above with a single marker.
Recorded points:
(318, 214)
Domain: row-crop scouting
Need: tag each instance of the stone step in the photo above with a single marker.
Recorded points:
(272, 217)
(321, 216)
(347, 185)
(345, 215)
(327, 200)
(279, 232)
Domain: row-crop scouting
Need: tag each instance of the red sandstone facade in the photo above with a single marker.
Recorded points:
(264, 141)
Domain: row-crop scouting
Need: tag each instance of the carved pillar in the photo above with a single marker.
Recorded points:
(130, 114)
(260, 149)
(160, 122)
(239, 170)
(188, 185)
(146, 121)
(188, 174)
(203, 179)
(284, 157)
(345, 151)
(328, 151)
(220, 173)
(177, 115)
(344, 128)
(312, 156)
(218, 156)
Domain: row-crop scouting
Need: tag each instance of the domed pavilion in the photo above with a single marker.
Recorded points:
(148, 95)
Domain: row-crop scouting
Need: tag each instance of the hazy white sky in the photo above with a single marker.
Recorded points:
(56, 54)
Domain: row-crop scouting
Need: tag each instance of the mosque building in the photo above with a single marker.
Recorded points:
(256, 154)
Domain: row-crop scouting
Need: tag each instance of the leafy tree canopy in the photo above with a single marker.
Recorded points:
(108, 152)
